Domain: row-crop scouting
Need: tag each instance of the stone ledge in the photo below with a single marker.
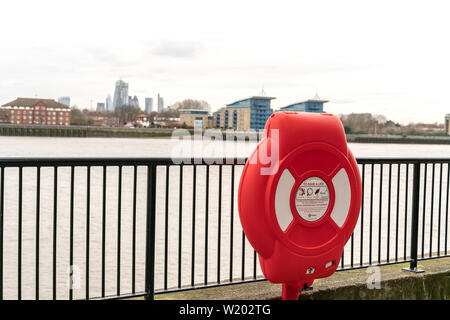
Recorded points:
(348, 285)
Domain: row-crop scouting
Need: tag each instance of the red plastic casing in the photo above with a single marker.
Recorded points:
(309, 145)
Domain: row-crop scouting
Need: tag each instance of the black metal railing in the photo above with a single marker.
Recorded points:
(110, 228)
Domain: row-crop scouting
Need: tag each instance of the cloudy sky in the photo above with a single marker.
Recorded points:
(384, 57)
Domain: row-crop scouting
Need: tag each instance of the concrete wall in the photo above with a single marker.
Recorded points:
(359, 284)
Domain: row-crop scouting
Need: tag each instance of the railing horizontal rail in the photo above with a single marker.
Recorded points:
(59, 162)
(50, 162)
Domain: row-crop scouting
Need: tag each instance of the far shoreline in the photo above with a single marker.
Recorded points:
(164, 133)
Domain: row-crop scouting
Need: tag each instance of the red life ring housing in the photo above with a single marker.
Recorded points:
(299, 217)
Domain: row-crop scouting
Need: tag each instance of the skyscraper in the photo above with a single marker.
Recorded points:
(160, 103)
(120, 94)
(64, 100)
(109, 106)
(133, 101)
(148, 105)
(100, 107)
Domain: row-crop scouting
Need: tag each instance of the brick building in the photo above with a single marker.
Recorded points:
(105, 119)
(35, 111)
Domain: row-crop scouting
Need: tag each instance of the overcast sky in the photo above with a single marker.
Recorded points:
(384, 57)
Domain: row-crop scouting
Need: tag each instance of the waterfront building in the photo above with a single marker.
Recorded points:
(3, 116)
(160, 103)
(166, 122)
(109, 106)
(120, 94)
(211, 122)
(191, 117)
(232, 118)
(37, 111)
(100, 107)
(311, 105)
(105, 119)
(148, 105)
(245, 114)
(64, 100)
(143, 120)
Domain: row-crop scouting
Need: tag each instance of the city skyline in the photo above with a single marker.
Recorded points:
(341, 51)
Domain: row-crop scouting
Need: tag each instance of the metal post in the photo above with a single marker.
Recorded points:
(2, 193)
(415, 220)
(150, 236)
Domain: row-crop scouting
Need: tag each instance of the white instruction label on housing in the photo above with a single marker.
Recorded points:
(312, 199)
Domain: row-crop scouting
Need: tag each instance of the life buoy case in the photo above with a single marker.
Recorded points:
(300, 215)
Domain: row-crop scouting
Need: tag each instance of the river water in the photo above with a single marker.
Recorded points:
(193, 227)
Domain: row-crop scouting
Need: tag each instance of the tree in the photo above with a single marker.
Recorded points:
(191, 104)
(153, 115)
(381, 119)
(169, 113)
(80, 117)
(127, 113)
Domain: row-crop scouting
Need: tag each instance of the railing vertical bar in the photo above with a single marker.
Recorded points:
(133, 245)
(255, 259)
(380, 213)
(88, 226)
(371, 213)
(439, 211)
(206, 225)
(2, 199)
(150, 233)
(351, 249)
(415, 216)
(446, 206)
(19, 242)
(406, 211)
(166, 228)
(72, 183)
(55, 224)
(432, 211)
(180, 226)
(119, 226)
(352, 245)
(219, 224)
(194, 195)
(243, 257)
(361, 249)
(388, 235)
(397, 211)
(104, 231)
(424, 207)
(38, 207)
(231, 223)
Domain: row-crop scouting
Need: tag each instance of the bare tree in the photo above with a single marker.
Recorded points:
(127, 113)
(169, 113)
(191, 104)
(80, 117)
